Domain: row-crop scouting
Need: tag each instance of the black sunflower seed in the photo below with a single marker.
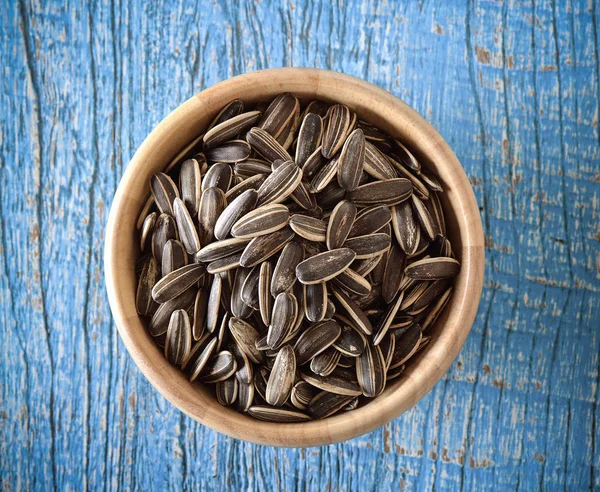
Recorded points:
(351, 161)
(164, 192)
(340, 222)
(164, 230)
(282, 377)
(315, 301)
(179, 337)
(144, 302)
(228, 152)
(371, 371)
(265, 145)
(432, 268)
(262, 247)
(339, 124)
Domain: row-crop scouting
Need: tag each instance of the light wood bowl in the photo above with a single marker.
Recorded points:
(372, 104)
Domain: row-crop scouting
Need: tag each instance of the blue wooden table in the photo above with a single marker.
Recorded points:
(514, 88)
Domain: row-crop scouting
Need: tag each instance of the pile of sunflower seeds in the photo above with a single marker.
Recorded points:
(295, 257)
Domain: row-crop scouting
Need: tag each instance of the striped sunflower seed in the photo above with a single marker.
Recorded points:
(261, 221)
(266, 145)
(313, 163)
(160, 320)
(228, 152)
(214, 304)
(315, 301)
(432, 268)
(364, 267)
(356, 314)
(370, 245)
(144, 302)
(236, 209)
(277, 414)
(179, 337)
(351, 161)
(324, 363)
(245, 369)
(174, 256)
(190, 184)
(147, 230)
(339, 124)
(406, 228)
(405, 157)
(407, 343)
(281, 379)
(437, 212)
(301, 395)
(419, 187)
(146, 209)
(251, 167)
(309, 228)
(230, 128)
(246, 335)
(195, 352)
(388, 192)
(279, 113)
(249, 290)
(324, 176)
(288, 135)
(332, 383)
(377, 165)
(284, 274)
(309, 137)
(231, 110)
(283, 319)
(392, 273)
(263, 247)
(238, 307)
(315, 340)
(164, 192)
(164, 230)
(340, 222)
(434, 290)
(435, 310)
(352, 282)
(304, 197)
(226, 391)
(351, 341)
(176, 282)
(424, 218)
(251, 183)
(220, 249)
(219, 368)
(330, 196)
(280, 184)
(224, 264)
(325, 404)
(370, 220)
(245, 397)
(385, 321)
(371, 371)
(185, 226)
(199, 314)
(206, 352)
(324, 266)
(265, 301)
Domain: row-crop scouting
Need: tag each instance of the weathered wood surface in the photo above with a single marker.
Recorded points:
(514, 88)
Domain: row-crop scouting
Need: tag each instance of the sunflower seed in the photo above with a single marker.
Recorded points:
(148, 229)
(164, 192)
(371, 371)
(352, 405)
(176, 282)
(263, 247)
(164, 230)
(251, 168)
(261, 221)
(224, 264)
(276, 414)
(230, 128)
(214, 303)
(280, 184)
(218, 176)
(385, 321)
(388, 192)
(370, 220)
(437, 212)
(179, 337)
(288, 135)
(219, 368)
(190, 184)
(185, 226)
(419, 187)
(370, 245)
(173, 256)
(160, 320)
(249, 292)
(315, 301)
(406, 228)
(283, 318)
(433, 292)
(325, 404)
(351, 342)
(324, 363)
(392, 273)
(356, 314)
(284, 274)
(304, 197)
(228, 152)
(245, 370)
(281, 379)
(377, 164)
(199, 318)
(424, 217)
(406, 158)
(278, 114)
(407, 343)
(238, 307)
(431, 181)
(432, 268)
(332, 383)
(251, 183)
(262, 344)
(266, 146)
(144, 302)
(339, 124)
(265, 301)
(324, 176)
(220, 249)
(309, 137)
(226, 391)
(308, 227)
(351, 160)
(246, 335)
(340, 222)
(231, 110)
(324, 266)
(315, 340)
(301, 395)
(436, 310)
(223, 332)
(245, 396)
(313, 163)
(195, 352)
(205, 353)
(352, 282)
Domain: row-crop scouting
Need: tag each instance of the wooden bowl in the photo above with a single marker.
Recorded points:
(372, 104)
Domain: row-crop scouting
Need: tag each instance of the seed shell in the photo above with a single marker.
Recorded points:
(385, 321)
(236, 209)
(332, 383)
(353, 283)
(262, 221)
(144, 301)
(283, 319)
(231, 110)
(220, 249)
(371, 371)
(190, 185)
(284, 274)
(176, 282)
(147, 230)
(174, 256)
(351, 341)
(356, 314)
(164, 192)
(246, 335)
(308, 227)
(387, 192)
(340, 222)
(228, 152)
(315, 340)
(278, 114)
(392, 273)
(325, 404)
(301, 395)
(230, 128)
(224, 264)
(324, 266)
(265, 301)
(315, 301)
(160, 320)
(179, 337)
(276, 414)
(262, 247)
(377, 165)
(219, 368)
(370, 220)
(339, 121)
(226, 391)
(281, 379)
(324, 363)
(351, 160)
(280, 184)
(370, 245)
(309, 137)
(432, 268)
(238, 307)
(265, 145)
(164, 230)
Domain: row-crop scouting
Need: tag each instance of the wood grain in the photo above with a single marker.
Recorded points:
(513, 87)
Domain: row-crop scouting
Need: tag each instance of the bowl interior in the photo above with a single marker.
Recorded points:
(372, 104)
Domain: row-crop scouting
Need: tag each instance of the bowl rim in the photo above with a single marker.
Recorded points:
(420, 376)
